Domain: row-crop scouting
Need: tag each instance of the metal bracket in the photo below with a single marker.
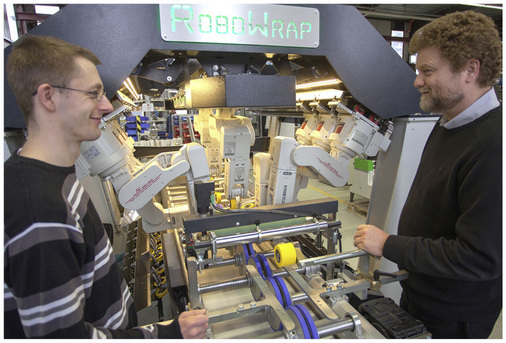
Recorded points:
(314, 295)
(267, 303)
(259, 231)
(193, 283)
(357, 323)
(213, 244)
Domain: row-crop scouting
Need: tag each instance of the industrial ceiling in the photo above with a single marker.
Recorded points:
(427, 12)
(395, 12)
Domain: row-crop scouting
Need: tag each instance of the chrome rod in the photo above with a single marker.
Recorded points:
(331, 258)
(236, 282)
(331, 327)
(259, 236)
(225, 262)
(232, 261)
(239, 281)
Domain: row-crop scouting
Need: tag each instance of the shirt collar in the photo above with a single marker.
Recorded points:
(481, 106)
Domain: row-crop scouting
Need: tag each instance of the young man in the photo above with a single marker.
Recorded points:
(450, 230)
(60, 275)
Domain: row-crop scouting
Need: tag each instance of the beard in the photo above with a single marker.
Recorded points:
(440, 101)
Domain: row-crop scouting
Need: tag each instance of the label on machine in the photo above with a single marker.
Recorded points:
(248, 24)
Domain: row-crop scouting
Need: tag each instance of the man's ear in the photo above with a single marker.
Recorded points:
(45, 97)
(473, 70)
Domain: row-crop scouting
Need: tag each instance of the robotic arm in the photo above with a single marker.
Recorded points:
(357, 135)
(111, 157)
(138, 193)
(234, 136)
(157, 173)
(292, 163)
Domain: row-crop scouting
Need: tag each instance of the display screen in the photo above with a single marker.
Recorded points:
(255, 24)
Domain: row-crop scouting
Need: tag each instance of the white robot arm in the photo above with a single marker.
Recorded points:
(291, 163)
(357, 135)
(234, 135)
(157, 173)
(321, 164)
(111, 157)
(287, 175)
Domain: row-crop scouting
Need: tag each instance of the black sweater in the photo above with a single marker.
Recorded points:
(450, 230)
(60, 274)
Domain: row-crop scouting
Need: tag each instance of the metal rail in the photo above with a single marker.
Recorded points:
(260, 236)
(331, 258)
(237, 282)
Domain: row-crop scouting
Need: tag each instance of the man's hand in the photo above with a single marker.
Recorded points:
(193, 324)
(370, 239)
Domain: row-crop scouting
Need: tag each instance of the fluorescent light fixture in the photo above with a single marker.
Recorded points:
(318, 84)
(497, 7)
(128, 84)
(325, 94)
(11, 20)
(46, 9)
(123, 98)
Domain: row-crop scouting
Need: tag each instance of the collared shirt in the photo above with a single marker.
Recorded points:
(481, 106)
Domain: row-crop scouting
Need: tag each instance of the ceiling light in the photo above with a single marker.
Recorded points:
(324, 94)
(497, 7)
(128, 84)
(318, 84)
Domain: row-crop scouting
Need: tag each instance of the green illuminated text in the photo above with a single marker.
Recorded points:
(182, 18)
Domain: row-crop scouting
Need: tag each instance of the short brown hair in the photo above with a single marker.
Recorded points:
(35, 60)
(461, 36)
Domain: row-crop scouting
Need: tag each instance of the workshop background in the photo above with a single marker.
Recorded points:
(150, 110)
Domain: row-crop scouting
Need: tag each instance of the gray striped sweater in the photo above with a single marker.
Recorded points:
(60, 274)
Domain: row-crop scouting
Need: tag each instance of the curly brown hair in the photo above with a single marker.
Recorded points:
(461, 36)
(35, 60)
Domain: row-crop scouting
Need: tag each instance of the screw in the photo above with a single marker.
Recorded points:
(169, 78)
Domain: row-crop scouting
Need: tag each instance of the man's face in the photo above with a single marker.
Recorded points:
(80, 112)
(441, 88)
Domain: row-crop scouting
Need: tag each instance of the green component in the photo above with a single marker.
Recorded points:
(365, 165)
(263, 226)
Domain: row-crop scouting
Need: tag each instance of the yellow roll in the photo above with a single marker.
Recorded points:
(248, 205)
(284, 254)
(233, 204)
(160, 293)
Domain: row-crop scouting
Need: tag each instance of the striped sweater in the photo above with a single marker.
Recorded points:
(60, 274)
